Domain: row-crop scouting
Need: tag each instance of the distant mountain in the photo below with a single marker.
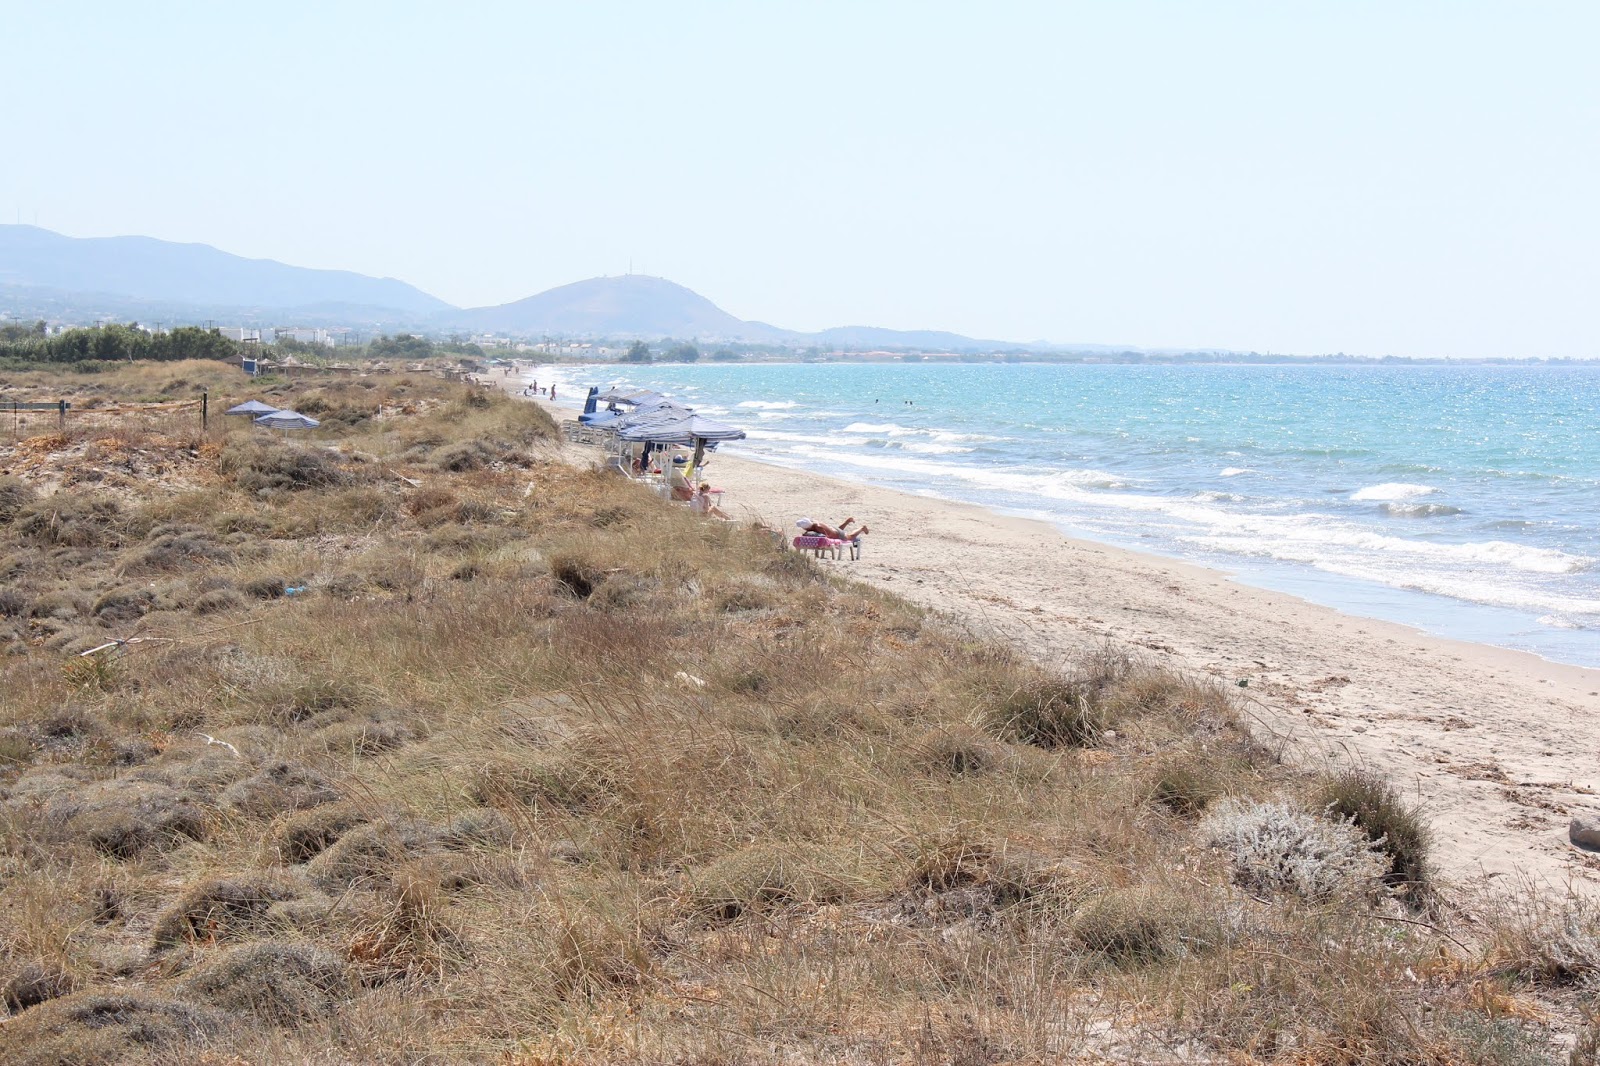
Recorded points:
(638, 306)
(47, 275)
(630, 306)
(155, 271)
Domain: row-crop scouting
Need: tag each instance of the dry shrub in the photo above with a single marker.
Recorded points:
(382, 731)
(565, 778)
(483, 827)
(596, 952)
(431, 500)
(305, 834)
(1138, 925)
(123, 605)
(1187, 782)
(955, 751)
(409, 937)
(576, 573)
(766, 875)
(265, 466)
(1273, 847)
(1051, 712)
(1548, 941)
(96, 1027)
(468, 455)
(368, 855)
(16, 749)
(121, 818)
(71, 519)
(280, 982)
(957, 880)
(1374, 806)
(13, 603)
(170, 550)
(34, 982)
(217, 601)
(219, 908)
(282, 786)
(15, 494)
(63, 605)
(264, 588)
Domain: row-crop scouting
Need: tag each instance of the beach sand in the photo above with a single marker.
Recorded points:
(1500, 748)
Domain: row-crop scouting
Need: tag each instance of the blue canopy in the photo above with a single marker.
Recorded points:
(287, 420)
(689, 428)
(631, 397)
(250, 407)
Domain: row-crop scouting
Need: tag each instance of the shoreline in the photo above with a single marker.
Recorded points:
(1495, 744)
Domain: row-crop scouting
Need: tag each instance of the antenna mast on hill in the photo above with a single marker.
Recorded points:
(630, 266)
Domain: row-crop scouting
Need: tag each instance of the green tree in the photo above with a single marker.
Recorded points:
(684, 353)
(638, 352)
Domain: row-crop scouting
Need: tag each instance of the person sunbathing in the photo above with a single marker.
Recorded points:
(702, 503)
(839, 532)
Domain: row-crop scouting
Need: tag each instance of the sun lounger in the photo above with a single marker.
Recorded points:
(820, 546)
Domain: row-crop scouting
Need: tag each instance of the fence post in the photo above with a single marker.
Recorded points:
(61, 414)
(205, 409)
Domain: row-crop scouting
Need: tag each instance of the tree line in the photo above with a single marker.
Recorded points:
(112, 343)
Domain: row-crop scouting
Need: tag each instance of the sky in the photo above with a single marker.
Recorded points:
(1384, 177)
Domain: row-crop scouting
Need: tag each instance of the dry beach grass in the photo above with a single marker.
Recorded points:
(533, 767)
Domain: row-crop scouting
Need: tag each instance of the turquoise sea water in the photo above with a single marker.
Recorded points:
(1462, 500)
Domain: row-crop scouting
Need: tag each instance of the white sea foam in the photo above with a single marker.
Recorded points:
(770, 405)
(1322, 541)
(931, 448)
(1419, 510)
(1235, 471)
(879, 429)
(947, 436)
(832, 440)
(1393, 490)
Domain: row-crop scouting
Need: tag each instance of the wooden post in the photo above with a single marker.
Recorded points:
(205, 409)
(61, 414)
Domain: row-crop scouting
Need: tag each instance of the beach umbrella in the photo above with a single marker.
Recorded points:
(287, 420)
(250, 407)
(659, 410)
(690, 428)
(631, 397)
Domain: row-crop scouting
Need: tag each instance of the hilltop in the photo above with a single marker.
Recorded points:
(633, 304)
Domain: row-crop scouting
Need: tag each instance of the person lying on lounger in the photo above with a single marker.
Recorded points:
(839, 532)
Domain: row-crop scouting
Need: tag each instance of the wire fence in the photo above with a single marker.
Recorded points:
(21, 419)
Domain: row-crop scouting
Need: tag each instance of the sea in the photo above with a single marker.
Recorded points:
(1461, 500)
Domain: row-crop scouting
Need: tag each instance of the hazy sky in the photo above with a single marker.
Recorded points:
(1373, 177)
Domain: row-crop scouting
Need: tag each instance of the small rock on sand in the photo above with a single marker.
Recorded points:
(1585, 831)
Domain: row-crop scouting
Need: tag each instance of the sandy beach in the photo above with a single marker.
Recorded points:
(1499, 747)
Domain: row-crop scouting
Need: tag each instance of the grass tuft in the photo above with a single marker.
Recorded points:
(1374, 806)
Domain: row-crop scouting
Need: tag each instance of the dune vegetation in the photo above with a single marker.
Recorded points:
(410, 740)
